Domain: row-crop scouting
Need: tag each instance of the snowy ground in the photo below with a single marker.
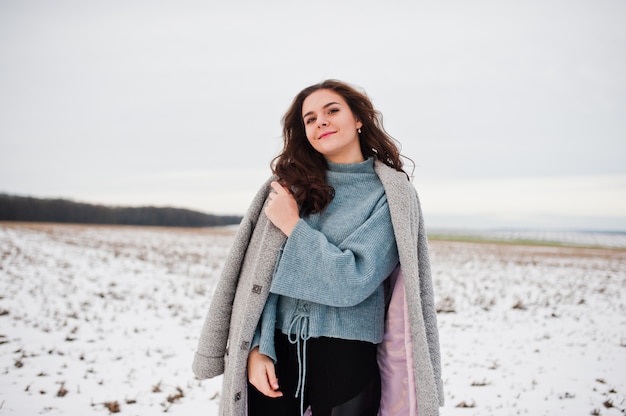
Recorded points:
(95, 320)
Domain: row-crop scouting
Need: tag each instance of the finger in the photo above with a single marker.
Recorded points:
(276, 187)
(261, 385)
(279, 189)
(264, 387)
(274, 394)
(271, 376)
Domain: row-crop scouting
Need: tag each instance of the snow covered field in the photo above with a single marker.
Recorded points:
(98, 320)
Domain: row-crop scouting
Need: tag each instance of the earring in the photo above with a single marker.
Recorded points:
(358, 130)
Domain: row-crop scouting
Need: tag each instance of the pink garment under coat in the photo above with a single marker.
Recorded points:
(395, 357)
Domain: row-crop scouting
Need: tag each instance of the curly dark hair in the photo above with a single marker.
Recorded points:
(303, 170)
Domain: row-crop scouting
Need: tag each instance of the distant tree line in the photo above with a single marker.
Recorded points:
(20, 208)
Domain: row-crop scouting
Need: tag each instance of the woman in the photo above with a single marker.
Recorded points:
(298, 316)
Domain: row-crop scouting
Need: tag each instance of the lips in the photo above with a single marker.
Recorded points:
(328, 133)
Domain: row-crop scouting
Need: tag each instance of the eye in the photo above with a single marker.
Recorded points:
(333, 110)
(309, 120)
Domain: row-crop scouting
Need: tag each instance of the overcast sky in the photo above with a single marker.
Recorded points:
(514, 111)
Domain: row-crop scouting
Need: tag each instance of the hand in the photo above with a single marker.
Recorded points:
(262, 374)
(282, 208)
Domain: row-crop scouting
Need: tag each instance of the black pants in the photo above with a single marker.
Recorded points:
(342, 379)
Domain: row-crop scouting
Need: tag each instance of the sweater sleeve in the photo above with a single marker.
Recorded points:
(264, 334)
(313, 269)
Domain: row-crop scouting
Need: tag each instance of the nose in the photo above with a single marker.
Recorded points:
(322, 121)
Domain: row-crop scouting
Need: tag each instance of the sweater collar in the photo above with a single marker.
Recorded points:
(366, 166)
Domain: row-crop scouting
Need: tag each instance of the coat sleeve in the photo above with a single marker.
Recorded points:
(208, 361)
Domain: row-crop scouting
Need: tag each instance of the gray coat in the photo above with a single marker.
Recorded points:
(240, 295)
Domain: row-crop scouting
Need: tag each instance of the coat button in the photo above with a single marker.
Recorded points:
(237, 396)
(256, 289)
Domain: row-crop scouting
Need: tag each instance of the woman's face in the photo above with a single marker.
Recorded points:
(331, 127)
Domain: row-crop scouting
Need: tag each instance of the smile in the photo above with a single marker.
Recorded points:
(328, 133)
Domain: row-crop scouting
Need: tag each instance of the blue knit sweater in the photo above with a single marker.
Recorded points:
(328, 278)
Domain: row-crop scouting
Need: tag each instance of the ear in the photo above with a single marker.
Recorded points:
(359, 124)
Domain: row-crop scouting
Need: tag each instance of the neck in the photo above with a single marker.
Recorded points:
(346, 159)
